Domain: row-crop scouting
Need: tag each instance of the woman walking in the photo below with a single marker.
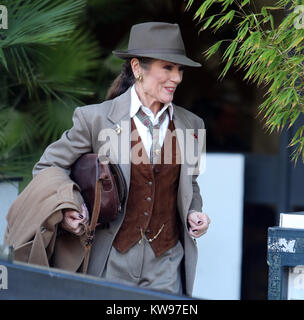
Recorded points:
(152, 244)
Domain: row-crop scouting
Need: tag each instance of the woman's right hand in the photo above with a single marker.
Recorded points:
(75, 222)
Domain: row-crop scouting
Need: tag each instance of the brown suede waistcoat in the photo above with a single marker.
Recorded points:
(152, 202)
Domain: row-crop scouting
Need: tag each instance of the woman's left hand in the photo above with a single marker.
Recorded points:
(199, 223)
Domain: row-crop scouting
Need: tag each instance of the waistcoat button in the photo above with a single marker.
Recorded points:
(146, 213)
(150, 183)
(149, 199)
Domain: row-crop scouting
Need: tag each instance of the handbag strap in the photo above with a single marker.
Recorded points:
(120, 181)
(91, 229)
(105, 169)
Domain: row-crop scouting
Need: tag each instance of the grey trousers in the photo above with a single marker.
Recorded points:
(139, 267)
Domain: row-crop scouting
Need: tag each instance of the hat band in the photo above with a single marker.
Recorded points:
(161, 50)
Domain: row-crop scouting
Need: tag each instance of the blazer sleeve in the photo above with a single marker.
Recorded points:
(72, 144)
(197, 201)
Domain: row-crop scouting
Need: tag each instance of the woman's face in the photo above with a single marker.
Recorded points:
(159, 82)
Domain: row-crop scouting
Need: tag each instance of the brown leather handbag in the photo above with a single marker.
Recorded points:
(103, 189)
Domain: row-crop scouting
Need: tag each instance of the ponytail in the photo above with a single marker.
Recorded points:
(122, 82)
(126, 78)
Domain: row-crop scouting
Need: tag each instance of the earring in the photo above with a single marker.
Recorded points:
(139, 77)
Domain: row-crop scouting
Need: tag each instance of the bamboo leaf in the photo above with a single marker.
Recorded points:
(213, 49)
(227, 18)
(206, 25)
(226, 68)
(230, 50)
(189, 4)
(242, 32)
(264, 11)
(226, 4)
(245, 2)
(296, 42)
(271, 22)
(293, 120)
(203, 8)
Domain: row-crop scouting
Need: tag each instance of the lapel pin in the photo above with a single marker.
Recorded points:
(157, 152)
(118, 129)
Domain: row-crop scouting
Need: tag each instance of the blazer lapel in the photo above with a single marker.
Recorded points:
(119, 116)
(120, 107)
(185, 192)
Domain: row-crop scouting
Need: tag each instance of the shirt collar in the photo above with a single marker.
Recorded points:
(136, 104)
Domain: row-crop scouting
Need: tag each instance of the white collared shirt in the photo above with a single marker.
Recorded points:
(144, 131)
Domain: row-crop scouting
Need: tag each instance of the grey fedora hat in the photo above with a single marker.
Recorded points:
(158, 40)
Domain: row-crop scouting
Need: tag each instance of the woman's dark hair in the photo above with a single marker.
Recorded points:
(126, 78)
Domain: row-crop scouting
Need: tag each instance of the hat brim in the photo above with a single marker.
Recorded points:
(171, 57)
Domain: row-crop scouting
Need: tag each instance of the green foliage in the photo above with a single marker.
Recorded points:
(270, 52)
(46, 63)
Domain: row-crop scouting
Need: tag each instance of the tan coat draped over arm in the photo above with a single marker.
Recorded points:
(32, 221)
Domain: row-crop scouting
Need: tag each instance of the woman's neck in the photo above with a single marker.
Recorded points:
(147, 101)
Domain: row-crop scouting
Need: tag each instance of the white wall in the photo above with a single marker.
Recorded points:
(8, 193)
(220, 249)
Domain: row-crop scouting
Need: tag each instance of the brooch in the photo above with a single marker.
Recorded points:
(118, 129)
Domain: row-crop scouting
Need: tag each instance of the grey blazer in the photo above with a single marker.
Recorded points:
(84, 137)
